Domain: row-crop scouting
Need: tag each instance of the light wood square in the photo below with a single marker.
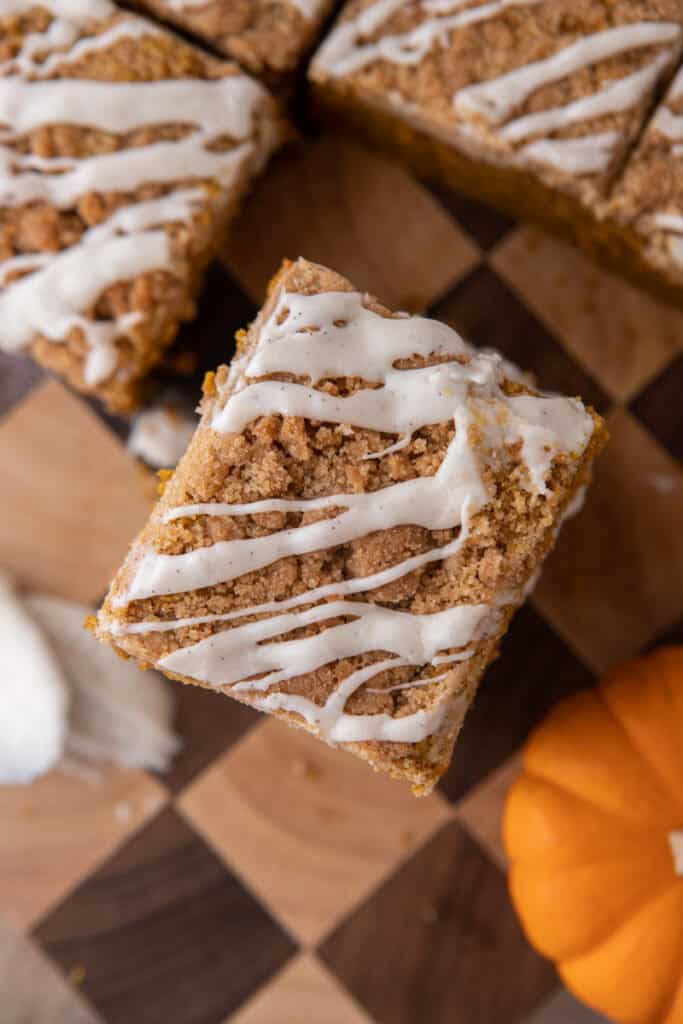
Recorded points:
(620, 334)
(368, 218)
(615, 580)
(303, 989)
(481, 811)
(309, 829)
(58, 830)
(72, 498)
(32, 991)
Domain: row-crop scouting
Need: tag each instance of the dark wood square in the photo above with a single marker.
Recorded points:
(208, 340)
(660, 408)
(439, 942)
(534, 670)
(488, 313)
(208, 724)
(484, 224)
(18, 374)
(163, 932)
(673, 635)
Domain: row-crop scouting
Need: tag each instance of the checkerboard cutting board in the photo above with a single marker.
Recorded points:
(267, 880)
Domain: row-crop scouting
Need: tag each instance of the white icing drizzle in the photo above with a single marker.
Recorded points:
(235, 656)
(57, 291)
(672, 224)
(497, 98)
(346, 728)
(494, 101)
(668, 124)
(309, 8)
(432, 502)
(676, 87)
(78, 12)
(622, 94)
(123, 170)
(28, 261)
(589, 154)
(347, 329)
(356, 585)
(212, 107)
(54, 37)
(329, 335)
(341, 53)
(669, 221)
(414, 640)
(414, 683)
(70, 18)
(545, 427)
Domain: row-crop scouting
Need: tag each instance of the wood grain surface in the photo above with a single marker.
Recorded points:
(267, 880)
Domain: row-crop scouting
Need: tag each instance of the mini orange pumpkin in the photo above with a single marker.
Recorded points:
(594, 832)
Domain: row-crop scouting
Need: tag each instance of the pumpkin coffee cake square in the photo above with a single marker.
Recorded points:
(123, 154)
(530, 104)
(364, 504)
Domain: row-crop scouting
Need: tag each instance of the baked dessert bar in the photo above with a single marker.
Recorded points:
(646, 203)
(364, 504)
(123, 154)
(270, 38)
(529, 104)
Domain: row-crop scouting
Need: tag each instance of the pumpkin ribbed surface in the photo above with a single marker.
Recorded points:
(594, 832)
